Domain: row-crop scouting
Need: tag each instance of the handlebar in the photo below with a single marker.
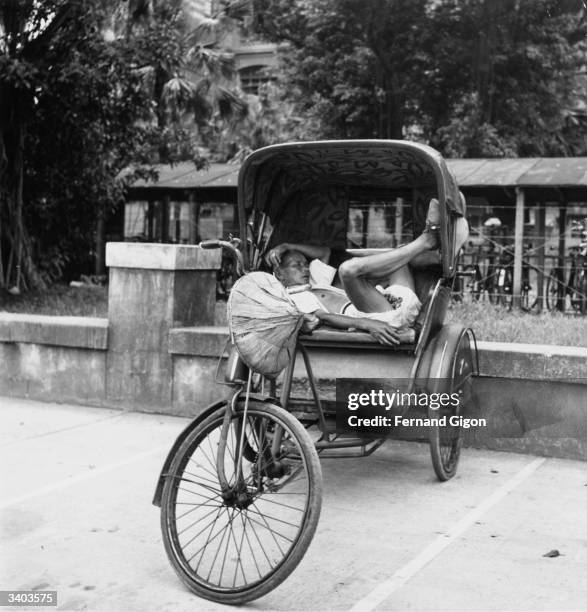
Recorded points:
(232, 247)
(210, 244)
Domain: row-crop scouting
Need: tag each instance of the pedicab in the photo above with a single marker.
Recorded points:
(241, 489)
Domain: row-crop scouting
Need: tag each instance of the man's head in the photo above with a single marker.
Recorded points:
(293, 269)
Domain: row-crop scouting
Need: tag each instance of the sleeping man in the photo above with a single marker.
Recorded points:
(388, 314)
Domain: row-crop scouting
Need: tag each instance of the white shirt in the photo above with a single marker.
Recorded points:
(321, 275)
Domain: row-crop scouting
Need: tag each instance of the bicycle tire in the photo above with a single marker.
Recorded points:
(258, 575)
(527, 303)
(525, 300)
(476, 284)
(579, 292)
(551, 294)
(491, 286)
(445, 441)
(504, 286)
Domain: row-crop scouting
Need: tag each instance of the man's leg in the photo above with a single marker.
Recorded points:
(359, 274)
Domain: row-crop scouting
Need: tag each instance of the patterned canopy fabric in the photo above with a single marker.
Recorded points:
(276, 179)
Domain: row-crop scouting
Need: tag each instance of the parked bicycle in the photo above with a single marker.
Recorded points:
(493, 275)
(475, 281)
(575, 288)
(504, 280)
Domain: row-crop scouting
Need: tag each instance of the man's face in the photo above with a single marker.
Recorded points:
(293, 269)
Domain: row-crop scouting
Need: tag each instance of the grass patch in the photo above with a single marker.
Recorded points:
(489, 322)
(59, 300)
(497, 324)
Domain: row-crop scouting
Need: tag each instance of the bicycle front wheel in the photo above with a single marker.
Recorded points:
(579, 292)
(233, 546)
(505, 289)
(554, 287)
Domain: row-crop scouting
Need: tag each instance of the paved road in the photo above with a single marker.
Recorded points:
(75, 517)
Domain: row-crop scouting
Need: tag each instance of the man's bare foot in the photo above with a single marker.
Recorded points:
(432, 230)
(433, 216)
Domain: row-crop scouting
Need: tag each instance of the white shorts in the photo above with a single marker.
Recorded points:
(405, 307)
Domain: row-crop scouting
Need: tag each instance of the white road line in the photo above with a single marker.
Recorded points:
(399, 578)
(67, 482)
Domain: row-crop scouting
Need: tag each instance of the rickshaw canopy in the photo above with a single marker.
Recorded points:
(314, 176)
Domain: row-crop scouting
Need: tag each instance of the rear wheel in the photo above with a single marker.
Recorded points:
(554, 290)
(455, 371)
(505, 290)
(237, 544)
(491, 284)
(529, 300)
(579, 294)
(476, 284)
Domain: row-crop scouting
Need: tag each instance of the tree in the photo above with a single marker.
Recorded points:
(504, 77)
(271, 119)
(78, 104)
(26, 31)
(188, 76)
(91, 120)
(472, 77)
(348, 62)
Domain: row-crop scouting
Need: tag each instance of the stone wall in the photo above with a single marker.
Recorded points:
(158, 351)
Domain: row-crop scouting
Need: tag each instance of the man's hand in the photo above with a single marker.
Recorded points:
(310, 251)
(311, 322)
(273, 258)
(383, 332)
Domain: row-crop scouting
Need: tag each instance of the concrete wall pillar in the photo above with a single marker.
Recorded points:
(152, 289)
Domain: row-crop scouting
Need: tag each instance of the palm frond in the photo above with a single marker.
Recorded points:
(205, 30)
(212, 61)
(201, 107)
(178, 88)
(237, 9)
(203, 86)
(230, 105)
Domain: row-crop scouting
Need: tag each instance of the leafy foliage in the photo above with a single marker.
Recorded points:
(86, 127)
(471, 77)
(508, 71)
(86, 89)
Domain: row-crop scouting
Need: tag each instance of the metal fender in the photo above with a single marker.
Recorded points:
(219, 405)
(439, 356)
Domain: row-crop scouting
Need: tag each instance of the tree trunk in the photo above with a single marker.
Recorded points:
(100, 244)
(18, 269)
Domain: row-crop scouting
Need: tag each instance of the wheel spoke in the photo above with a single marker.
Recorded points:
(199, 521)
(272, 518)
(196, 506)
(204, 468)
(284, 505)
(214, 482)
(246, 535)
(231, 518)
(271, 530)
(210, 539)
(217, 552)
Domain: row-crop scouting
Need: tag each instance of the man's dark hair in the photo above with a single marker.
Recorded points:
(289, 254)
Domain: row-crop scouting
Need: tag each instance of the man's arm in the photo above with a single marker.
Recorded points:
(381, 331)
(309, 250)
